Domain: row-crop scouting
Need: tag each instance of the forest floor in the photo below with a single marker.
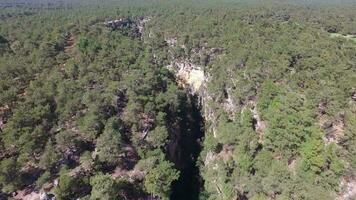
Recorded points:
(24, 195)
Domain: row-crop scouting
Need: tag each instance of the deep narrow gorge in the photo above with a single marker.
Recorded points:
(189, 184)
(177, 100)
(186, 147)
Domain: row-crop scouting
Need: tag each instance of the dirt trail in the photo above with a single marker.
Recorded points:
(69, 44)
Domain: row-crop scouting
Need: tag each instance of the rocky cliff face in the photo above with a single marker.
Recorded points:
(195, 79)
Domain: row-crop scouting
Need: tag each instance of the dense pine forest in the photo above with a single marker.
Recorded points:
(169, 99)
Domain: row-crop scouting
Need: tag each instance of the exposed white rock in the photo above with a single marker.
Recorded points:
(44, 196)
(22, 195)
(2, 124)
(188, 74)
(348, 188)
(210, 157)
(229, 104)
(260, 125)
(334, 129)
(141, 25)
(171, 41)
(196, 78)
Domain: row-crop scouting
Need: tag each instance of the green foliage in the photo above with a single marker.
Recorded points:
(86, 161)
(158, 137)
(44, 178)
(69, 84)
(268, 97)
(91, 124)
(25, 130)
(103, 187)
(66, 187)
(69, 187)
(244, 162)
(349, 139)
(160, 178)
(109, 144)
(88, 46)
(312, 152)
(49, 157)
(9, 175)
(66, 140)
(274, 182)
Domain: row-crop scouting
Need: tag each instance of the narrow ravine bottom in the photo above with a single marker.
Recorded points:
(190, 183)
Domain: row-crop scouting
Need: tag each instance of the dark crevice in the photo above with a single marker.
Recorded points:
(189, 185)
(254, 124)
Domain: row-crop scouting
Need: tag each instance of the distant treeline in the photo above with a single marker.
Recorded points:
(60, 3)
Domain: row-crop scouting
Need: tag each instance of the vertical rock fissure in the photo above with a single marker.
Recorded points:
(189, 185)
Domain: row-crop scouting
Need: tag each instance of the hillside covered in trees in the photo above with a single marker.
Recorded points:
(153, 99)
